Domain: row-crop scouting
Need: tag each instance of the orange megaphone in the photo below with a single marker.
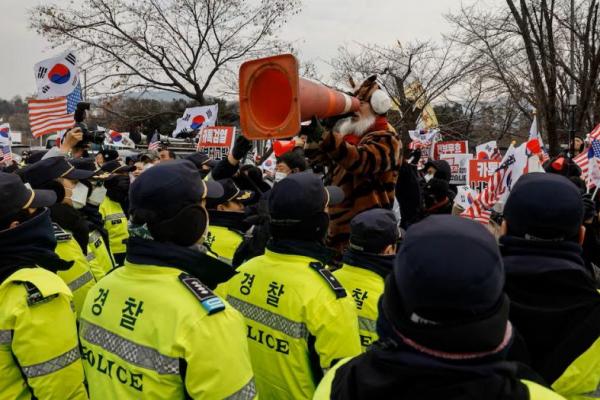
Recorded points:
(280, 147)
(274, 99)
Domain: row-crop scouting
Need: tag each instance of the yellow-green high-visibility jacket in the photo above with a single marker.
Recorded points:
(79, 278)
(98, 256)
(39, 351)
(300, 321)
(581, 379)
(536, 392)
(365, 287)
(157, 333)
(115, 223)
(223, 241)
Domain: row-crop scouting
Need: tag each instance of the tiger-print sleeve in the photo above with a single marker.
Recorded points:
(380, 152)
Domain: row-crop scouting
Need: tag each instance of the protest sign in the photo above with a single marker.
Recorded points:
(459, 165)
(216, 141)
(450, 147)
(479, 173)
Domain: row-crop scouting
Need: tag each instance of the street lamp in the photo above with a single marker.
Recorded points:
(572, 95)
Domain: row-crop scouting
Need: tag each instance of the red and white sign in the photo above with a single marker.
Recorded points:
(216, 141)
(450, 147)
(480, 172)
(459, 166)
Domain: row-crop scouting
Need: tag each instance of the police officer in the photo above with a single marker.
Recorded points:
(70, 228)
(39, 353)
(443, 325)
(554, 302)
(227, 226)
(98, 255)
(153, 328)
(300, 320)
(115, 206)
(368, 260)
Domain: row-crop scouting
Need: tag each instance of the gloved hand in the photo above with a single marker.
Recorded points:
(414, 157)
(589, 208)
(241, 147)
(314, 131)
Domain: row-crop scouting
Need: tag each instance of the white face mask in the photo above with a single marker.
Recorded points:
(280, 176)
(428, 177)
(79, 195)
(97, 196)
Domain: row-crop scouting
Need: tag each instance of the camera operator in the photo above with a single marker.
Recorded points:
(70, 140)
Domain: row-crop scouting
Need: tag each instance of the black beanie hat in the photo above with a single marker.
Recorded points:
(449, 300)
(544, 207)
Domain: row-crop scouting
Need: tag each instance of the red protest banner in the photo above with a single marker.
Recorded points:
(216, 141)
(480, 172)
(450, 147)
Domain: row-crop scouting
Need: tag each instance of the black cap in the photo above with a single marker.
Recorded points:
(373, 230)
(168, 187)
(35, 156)
(300, 196)
(199, 159)
(231, 193)
(51, 168)
(16, 196)
(114, 167)
(544, 206)
(446, 292)
(109, 154)
(87, 164)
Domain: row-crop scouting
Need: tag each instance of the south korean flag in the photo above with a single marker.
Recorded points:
(56, 77)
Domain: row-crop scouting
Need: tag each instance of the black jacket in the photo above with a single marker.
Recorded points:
(554, 303)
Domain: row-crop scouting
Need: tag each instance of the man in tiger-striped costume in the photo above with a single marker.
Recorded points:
(365, 154)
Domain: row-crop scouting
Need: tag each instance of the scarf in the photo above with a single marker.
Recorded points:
(29, 244)
(302, 248)
(392, 371)
(192, 260)
(380, 124)
(70, 219)
(381, 265)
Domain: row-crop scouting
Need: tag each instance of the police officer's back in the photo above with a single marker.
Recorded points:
(39, 353)
(554, 302)
(369, 259)
(153, 328)
(300, 319)
(443, 325)
(70, 228)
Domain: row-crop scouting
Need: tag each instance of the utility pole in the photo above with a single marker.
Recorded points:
(572, 95)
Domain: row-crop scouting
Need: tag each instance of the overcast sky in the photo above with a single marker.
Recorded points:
(321, 27)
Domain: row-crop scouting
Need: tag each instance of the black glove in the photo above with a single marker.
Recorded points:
(589, 208)
(241, 147)
(330, 122)
(414, 157)
(314, 131)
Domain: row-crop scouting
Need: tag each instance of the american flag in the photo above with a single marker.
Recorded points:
(51, 115)
(582, 158)
(6, 155)
(593, 156)
(154, 142)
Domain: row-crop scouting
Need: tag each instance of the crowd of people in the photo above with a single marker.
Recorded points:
(168, 277)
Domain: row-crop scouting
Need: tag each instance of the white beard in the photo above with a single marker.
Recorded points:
(346, 126)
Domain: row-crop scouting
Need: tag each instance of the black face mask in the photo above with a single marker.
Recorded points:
(117, 187)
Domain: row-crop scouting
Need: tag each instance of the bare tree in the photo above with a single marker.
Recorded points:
(523, 46)
(414, 74)
(179, 46)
